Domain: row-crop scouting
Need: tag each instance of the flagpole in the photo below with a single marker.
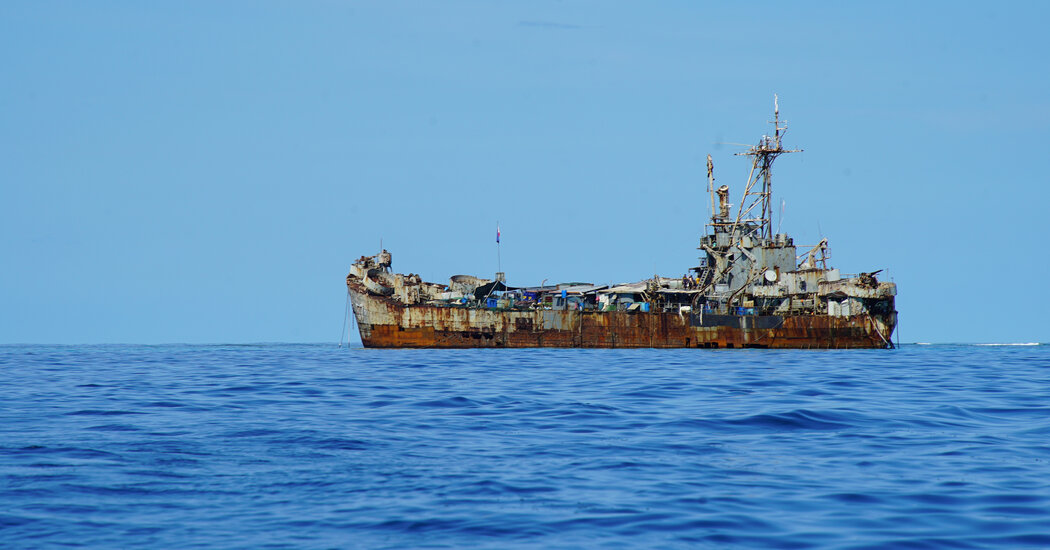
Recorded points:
(499, 259)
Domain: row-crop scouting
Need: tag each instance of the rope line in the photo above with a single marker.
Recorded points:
(346, 313)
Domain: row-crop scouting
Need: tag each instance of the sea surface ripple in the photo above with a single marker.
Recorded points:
(313, 446)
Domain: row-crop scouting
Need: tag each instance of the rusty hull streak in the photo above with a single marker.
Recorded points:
(750, 288)
(386, 323)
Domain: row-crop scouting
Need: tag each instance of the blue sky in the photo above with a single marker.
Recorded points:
(207, 171)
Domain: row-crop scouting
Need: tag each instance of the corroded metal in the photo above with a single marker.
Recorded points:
(750, 290)
(386, 323)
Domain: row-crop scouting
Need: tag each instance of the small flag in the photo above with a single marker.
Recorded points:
(497, 233)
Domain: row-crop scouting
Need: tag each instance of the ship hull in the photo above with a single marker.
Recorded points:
(386, 323)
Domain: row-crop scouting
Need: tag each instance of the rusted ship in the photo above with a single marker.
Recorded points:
(751, 289)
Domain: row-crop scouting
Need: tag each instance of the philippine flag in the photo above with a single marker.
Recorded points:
(497, 233)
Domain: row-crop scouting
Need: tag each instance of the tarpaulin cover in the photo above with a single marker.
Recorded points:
(494, 286)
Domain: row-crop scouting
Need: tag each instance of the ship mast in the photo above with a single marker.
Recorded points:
(763, 155)
(711, 185)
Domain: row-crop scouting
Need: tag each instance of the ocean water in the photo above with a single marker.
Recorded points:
(314, 446)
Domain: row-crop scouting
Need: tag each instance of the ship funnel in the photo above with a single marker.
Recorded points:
(723, 202)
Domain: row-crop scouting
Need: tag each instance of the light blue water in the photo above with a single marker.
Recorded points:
(318, 447)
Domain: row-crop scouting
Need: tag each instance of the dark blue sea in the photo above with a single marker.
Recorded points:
(315, 446)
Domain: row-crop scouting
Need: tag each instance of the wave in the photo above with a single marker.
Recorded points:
(939, 446)
(981, 344)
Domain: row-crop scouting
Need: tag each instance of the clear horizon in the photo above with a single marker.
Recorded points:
(201, 172)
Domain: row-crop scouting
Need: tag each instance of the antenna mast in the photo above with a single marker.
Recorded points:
(763, 155)
(711, 183)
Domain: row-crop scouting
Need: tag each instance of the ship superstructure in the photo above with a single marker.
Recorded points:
(750, 288)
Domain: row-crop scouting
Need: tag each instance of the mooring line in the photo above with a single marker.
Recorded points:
(346, 313)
